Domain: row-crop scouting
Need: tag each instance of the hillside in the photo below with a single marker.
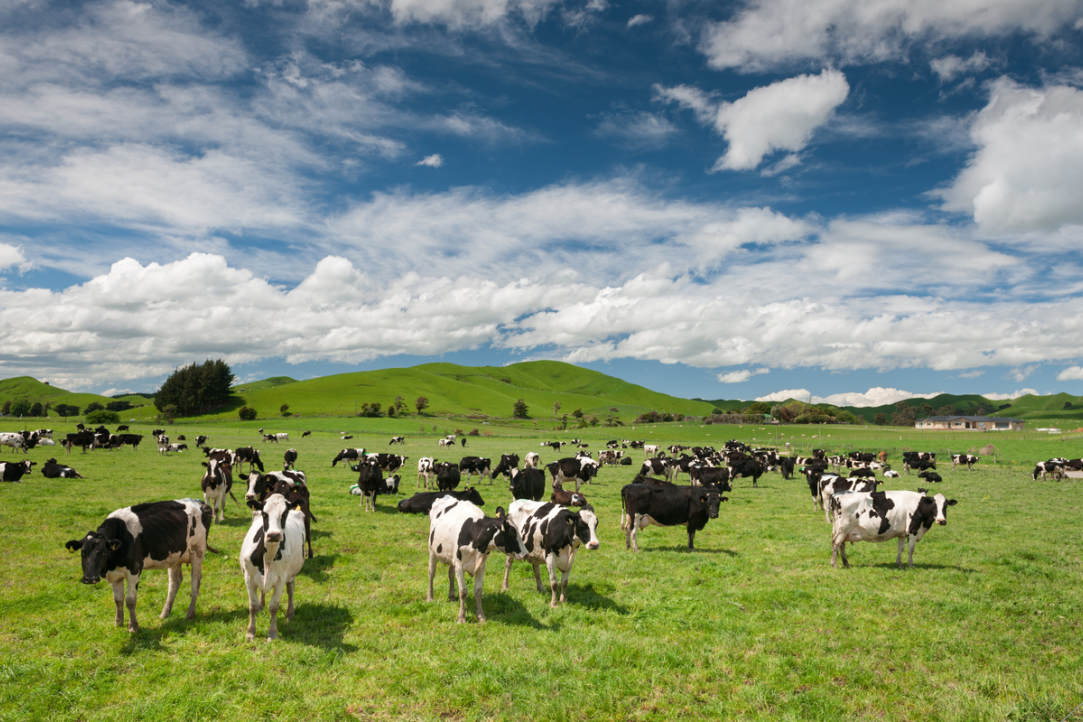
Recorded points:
(26, 387)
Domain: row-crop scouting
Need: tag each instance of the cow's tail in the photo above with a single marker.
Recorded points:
(212, 550)
(233, 497)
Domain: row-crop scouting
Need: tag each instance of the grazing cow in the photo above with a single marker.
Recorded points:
(397, 440)
(422, 502)
(282, 437)
(14, 471)
(348, 455)
(582, 470)
(461, 536)
(216, 483)
(272, 554)
(426, 471)
(747, 467)
(123, 427)
(156, 535)
(531, 460)
(919, 464)
(653, 467)
(80, 438)
(610, 456)
(289, 459)
(306, 433)
(447, 476)
(551, 535)
(201, 441)
(388, 462)
(647, 504)
(527, 484)
(13, 439)
(931, 476)
(1053, 467)
(53, 470)
(967, 459)
(155, 433)
(566, 498)
(471, 465)
(270, 438)
(507, 463)
(883, 515)
(554, 445)
(370, 480)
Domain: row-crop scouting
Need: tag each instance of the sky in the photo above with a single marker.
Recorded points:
(853, 200)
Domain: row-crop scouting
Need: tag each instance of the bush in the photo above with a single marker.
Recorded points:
(119, 405)
(103, 416)
(66, 410)
(93, 406)
(37, 409)
(247, 413)
(520, 410)
(20, 408)
(473, 432)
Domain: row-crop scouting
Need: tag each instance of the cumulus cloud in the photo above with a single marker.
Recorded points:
(876, 396)
(1027, 172)
(432, 161)
(780, 116)
(11, 256)
(1072, 373)
(1011, 396)
(468, 14)
(770, 33)
(950, 67)
(737, 377)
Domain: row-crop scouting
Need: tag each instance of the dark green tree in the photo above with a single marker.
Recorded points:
(520, 410)
(421, 404)
(6, 408)
(119, 405)
(103, 416)
(196, 388)
(37, 409)
(880, 420)
(20, 408)
(93, 406)
(246, 413)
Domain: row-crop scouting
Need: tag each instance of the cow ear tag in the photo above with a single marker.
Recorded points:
(114, 544)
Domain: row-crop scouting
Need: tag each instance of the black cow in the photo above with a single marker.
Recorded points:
(479, 465)
(123, 427)
(554, 445)
(348, 455)
(53, 470)
(246, 454)
(156, 535)
(370, 481)
(79, 438)
(667, 506)
(747, 467)
(200, 440)
(15, 470)
(710, 475)
(421, 502)
(785, 465)
(307, 433)
(580, 469)
(931, 476)
(289, 459)
(919, 464)
(527, 484)
(507, 463)
(863, 473)
(447, 476)
(131, 440)
(155, 433)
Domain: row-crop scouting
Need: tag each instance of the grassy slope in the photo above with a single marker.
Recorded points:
(753, 625)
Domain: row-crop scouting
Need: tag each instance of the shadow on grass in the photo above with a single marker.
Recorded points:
(588, 596)
(319, 625)
(917, 565)
(502, 607)
(684, 548)
(316, 568)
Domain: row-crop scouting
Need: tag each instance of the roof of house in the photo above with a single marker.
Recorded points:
(969, 418)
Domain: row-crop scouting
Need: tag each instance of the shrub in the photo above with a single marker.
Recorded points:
(37, 409)
(93, 406)
(119, 405)
(247, 413)
(520, 410)
(20, 408)
(103, 416)
(473, 432)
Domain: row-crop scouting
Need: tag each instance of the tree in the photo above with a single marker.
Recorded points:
(103, 416)
(66, 410)
(6, 409)
(520, 410)
(37, 409)
(284, 409)
(246, 413)
(119, 405)
(578, 413)
(196, 388)
(556, 408)
(400, 404)
(880, 419)
(20, 408)
(92, 407)
(421, 404)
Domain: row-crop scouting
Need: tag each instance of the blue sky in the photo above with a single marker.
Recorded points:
(853, 200)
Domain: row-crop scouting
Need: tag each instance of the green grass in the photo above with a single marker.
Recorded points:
(752, 625)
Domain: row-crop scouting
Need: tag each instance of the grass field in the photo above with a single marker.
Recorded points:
(754, 624)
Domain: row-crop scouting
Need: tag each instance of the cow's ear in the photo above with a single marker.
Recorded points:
(296, 507)
(500, 512)
(203, 463)
(703, 500)
(114, 544)
(74, 545)
(723, 498)
(951, 502)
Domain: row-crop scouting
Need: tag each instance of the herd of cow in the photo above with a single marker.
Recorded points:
(165, 535)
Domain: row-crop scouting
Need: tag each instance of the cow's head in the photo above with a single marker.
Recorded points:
(507, 538)
(258, 486)
(274, 510)
(710, 499)
(586, 526)
(474, 496)
(942, 505)
(96, 549)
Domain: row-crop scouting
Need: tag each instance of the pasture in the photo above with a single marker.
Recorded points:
(754, 624)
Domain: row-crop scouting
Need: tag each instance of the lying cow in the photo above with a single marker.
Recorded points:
(14, 471)
(421, 503)
(271, 557)
(883, 515)
(551, 534)
(54, 470)
(461, 536)
(156, 535)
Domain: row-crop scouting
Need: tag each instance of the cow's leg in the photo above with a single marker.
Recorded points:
(289, 604)
(451, 596)
(479, 582)
(432, 573)
(835, 549)
(196, 555)
(898, 557)
(913, 543)
(118, 598)
(507, 572)
(129, 602)
(255, 604)
(176, 576)
(272, 609)
(459, 575)
(308, 533)
(691, 537)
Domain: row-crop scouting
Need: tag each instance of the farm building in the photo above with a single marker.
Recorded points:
(969, 423)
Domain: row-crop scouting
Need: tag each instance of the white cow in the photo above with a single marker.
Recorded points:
(14, 440)
(877, 517)
(531, 460)
(552, 534)
(271, 557)
(282, 437)
(426, 471)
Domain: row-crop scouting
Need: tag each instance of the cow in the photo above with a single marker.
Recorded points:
(155, 535)
(289, 459)
(690, 506)
(471, 465)
(217, 481)
(426, 471)
(370, 480)
(551, 534)
(883, 515)
(864, 473)
(709, 475)
(567, 498)
(610, 456)
(397, 440)
(582, 470)
(967, 459)
(919, 464)
(348, 455)
(446, 441)
(463, 442)
(282, 437)
(131, 440)
(387, 462)
(182, 437)
(177, 448)
(1052, 467)
(747, 467)
(653, 467)
(201, 441)
(507, 463)
(650, 450)
(155, 433)
(306, 433)
(422, 502)
(79, 438)
(270, 438)
(14, 471)
(272, 555)
(461, 536)
(531, 460)
(290, 484)
(13, 439)
(931, 476)
(346, 437)
(890, 474)
(527, 484)
(48, 433)
(447, 476)
(163, 445)
(786, 466)
(554, 445)
(830, 486)
(53, 470)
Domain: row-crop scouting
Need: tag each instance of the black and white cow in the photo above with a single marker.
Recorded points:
(507, 463)
(370, 481)
(551, 534)
(79, 438)
(747, 467)
(527, 484)
(201, 441)
(388, 462)
(426, 471)
(918, 464)
(1053, 467)
(13, 439)
(461, 536)
(447, 476)
(14, 471)
(260, 486)
(967, 459)
(831, 485)
(470, 465)
(690, 506)
(348, 455)
(884, 515)
(709, 475)
(289, 459)
(581, 470)
(53, 470)
(131, 440)
(290, 484)
(397, 440)
(422, 502)
(216, 483)
(176, 448)
(306, 433)
(272, 555)
(156, 535)
(554, 445)
(272, 438)
(653, 467)
(247, 455)
(282, 437)
(531, 460)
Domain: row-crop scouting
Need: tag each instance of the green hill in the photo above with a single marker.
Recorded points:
(26, 387)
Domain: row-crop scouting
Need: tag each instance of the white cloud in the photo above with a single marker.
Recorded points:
(737, 377)
(1072, 373)
(1011, 396)
(779, 396)
(636, 130)
(639, 20)
(972, 374)
(11, 256)
(771, 33)
(432, 161)
(876, 396)
(1018, 374)
(1028, 170)
(469, 14)
(950, 67)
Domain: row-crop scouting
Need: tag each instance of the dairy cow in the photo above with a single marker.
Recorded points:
(551, 534)
(527, 484)
(580, 469)
(348, 455)
(14, 471)
(422, 502)
(646, 504)
(884, 515)
(272, 555)
(216, 483)
(53, 470)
